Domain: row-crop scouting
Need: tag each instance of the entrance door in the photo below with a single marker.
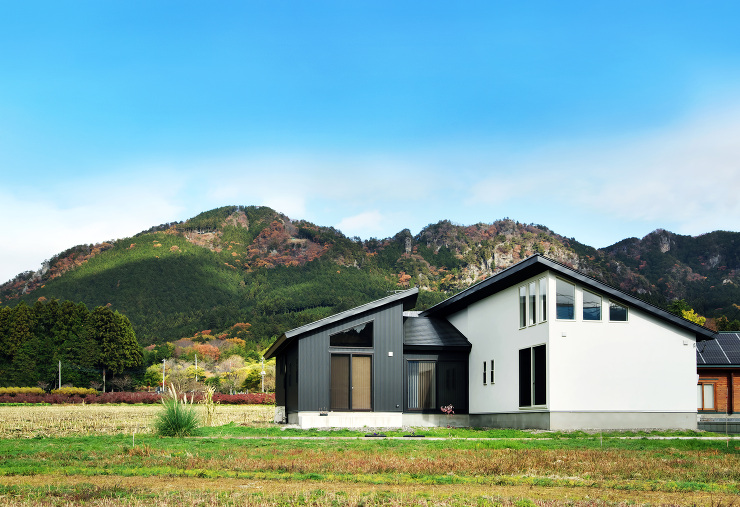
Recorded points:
(351, 382)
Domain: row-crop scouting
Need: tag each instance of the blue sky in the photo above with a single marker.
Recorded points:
(600, 120)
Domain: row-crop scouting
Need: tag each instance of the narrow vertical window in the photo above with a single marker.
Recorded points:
(532, 303)
(543, 299)
(522, 306)
(565, 296)
(484, 373)
(591, 306)
(493, 377)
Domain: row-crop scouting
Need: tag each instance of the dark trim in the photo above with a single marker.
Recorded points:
(537, 264)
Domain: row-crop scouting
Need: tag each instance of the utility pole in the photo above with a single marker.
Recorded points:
(196, 368)
(263, 374)
(60, 374)
(163, 360)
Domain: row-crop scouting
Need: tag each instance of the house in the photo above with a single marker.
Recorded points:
(718, 364)
(538, 345)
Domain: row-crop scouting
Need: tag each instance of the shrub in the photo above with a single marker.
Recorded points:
(178, 417)
(72, 391)
(12, 391)
(245, 399)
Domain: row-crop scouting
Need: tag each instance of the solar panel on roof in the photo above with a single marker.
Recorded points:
(730, 344)
(711, 352)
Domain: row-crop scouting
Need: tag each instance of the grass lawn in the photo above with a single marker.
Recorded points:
(117, 460)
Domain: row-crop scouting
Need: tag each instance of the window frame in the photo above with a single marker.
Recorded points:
(533, 372)
(523, 307)
(492, 370)
(532, 303)
(626, 311)
(583, 305)
(702, 385)
(573, 303)
(542, 303)
(350, 382)
(355, 346)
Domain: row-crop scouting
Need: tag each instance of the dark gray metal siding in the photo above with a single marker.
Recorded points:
(315, 360)
(292, 385)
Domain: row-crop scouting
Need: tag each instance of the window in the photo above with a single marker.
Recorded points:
(422, 386)
(543, 299)
(565, 296)
(617, 312)
(705, 396)
(522, 306)
(532, 303)
(431, 384)
(493, 377)
(358, 336)
(485, 377)
(533, 376)
(591, 306)
(351, 382)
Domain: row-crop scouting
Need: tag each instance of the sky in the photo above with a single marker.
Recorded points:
(599, 120)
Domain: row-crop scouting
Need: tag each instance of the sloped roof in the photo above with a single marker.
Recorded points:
(407, 297)
(536, 264)
(424, 333)
(724, 350)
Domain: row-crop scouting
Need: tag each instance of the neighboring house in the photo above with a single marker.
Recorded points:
(538, 345)
(718, 363)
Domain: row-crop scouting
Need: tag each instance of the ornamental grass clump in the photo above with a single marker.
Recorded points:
(210, 405)
(178, 417)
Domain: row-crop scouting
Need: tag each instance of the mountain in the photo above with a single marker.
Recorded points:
(247, 264)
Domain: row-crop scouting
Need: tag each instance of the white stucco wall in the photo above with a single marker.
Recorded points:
(642, 365)
(492, 327)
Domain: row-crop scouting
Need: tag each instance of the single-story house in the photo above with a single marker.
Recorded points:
(718, 364)
(538, 345)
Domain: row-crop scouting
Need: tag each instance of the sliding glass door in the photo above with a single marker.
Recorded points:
(351, 382)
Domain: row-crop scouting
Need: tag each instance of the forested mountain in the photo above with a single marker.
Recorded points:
(254, 265)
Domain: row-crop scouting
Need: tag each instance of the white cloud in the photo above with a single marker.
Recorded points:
(365, 224)
(684, 176)
(91, 213)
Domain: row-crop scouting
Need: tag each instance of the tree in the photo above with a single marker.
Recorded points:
(253, 380)
(116, 339)
(679, 306)
(724, 324)
(693, 317)
(153, 375)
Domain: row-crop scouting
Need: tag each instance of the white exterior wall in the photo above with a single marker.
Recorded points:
(492, 327)
(642, 365)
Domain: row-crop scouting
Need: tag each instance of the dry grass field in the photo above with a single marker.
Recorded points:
(108, 455)
(33, 421)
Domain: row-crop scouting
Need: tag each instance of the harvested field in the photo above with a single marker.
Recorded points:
(33, 421)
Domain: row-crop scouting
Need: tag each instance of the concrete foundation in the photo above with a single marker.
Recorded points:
(347, 419)
(564, 421)
(570, 421)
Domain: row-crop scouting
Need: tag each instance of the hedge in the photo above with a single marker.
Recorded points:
(131, 398)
